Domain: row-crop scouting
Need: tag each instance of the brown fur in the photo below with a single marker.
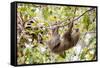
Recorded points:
(68, 41)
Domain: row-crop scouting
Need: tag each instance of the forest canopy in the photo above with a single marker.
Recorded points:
(33, 31)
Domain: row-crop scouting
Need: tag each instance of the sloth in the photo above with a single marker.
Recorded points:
(69, 39)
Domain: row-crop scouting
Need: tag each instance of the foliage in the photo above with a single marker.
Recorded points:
(33, 32)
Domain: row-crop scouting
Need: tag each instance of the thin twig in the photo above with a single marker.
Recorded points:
(83, 14)
(75, 18)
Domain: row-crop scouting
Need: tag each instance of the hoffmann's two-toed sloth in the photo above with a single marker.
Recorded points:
(69, 39)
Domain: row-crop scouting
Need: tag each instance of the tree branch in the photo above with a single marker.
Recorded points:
(75, 18)
(83, 14)
(57, 23)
